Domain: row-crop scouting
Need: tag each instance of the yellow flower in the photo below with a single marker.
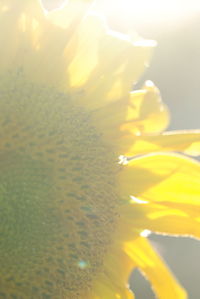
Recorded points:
(73, 210)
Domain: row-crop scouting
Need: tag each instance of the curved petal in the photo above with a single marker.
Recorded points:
(121, 122)
(173, 222)
(152, 266)
(85, 51)
(187, 142)
(36, 44)
(17, 19)
(120, 62)
(104, 289)
(27, 38)
(76, 51)
(146, 112)
(112, 282)
(162, 178)
(141, 215)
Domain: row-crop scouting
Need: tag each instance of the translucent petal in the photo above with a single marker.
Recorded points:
(15, 24)
(162, 178)
(112, 282)
(174, 222)
(118, 64)
(152, 266)
(120, 122)
(179, 141)
(146, 112)
(160, 218)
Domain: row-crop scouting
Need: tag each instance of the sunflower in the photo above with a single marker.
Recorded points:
(86, 170)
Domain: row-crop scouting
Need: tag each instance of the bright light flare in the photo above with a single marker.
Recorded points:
(150, 11)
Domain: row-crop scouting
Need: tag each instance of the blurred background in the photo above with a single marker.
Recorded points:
(175, 69)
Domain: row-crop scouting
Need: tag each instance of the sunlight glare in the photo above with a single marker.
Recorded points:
(150, 11)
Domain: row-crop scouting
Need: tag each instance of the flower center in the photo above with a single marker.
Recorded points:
(57, 193)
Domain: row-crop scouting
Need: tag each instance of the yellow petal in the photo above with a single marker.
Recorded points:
(146, 112)
(173, 221)
(139, 215)
(162, 178)
(152, 266)
(17, 20)
(85, 58)
(27, 38)
(120, 63)
(34, 44)
(112, 281)
(179, 141)
(104, 289)
(120, 122)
